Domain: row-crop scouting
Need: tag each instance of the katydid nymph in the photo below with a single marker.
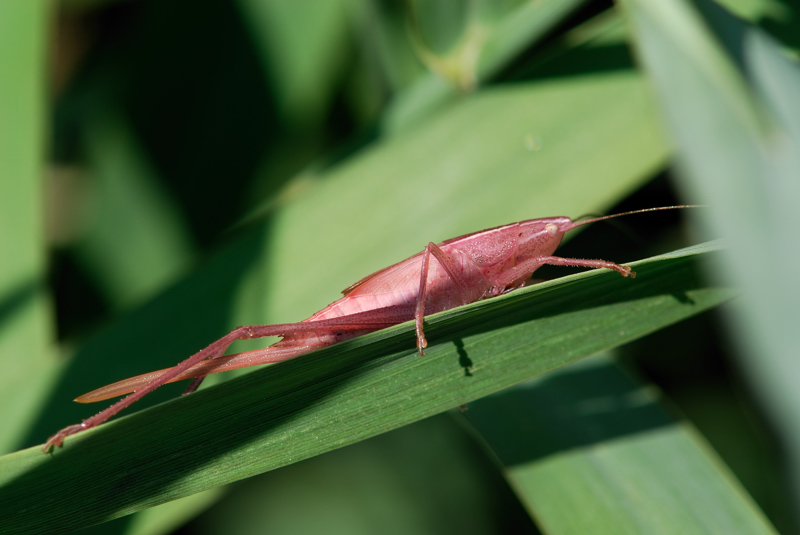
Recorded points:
(452, 273)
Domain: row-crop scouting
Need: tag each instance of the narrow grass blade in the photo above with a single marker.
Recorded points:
(730, 97)
(341, 395)
(135, 243)
(26, 330)
(589, 450)
(499, 40)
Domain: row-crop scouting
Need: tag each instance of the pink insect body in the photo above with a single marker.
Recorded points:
(453, 273)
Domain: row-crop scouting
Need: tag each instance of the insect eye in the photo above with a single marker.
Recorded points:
(551, 228)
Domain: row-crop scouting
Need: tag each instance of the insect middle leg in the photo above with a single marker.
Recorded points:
(452, 272)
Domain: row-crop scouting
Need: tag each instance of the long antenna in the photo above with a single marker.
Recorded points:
(596, 219)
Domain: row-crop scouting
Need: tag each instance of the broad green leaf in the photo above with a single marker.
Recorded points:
(302, 46)
(566, 145)
(511, 34)
(470, 166)
(26, 330)
(169, 516)
(427, 478)
(319, 402)
(776, 17)
(491, 40)
(732, 113)
(591, 451)
(135, 242)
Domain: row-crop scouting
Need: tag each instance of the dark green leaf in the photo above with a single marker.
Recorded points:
(342, 394)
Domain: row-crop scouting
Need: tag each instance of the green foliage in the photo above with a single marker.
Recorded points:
(224, 163)
(315, 403)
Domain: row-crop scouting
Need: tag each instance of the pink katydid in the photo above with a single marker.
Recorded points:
(455, 272)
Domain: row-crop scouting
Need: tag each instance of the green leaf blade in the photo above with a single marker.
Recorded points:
(589, 450)
(26, 327)
(340, 395)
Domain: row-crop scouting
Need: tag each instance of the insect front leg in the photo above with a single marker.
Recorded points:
(455, 277)
(625, 271)
(526, 269)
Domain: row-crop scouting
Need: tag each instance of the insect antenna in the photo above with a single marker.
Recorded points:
(659, 208)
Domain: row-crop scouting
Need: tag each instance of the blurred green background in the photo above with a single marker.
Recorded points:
(169, 170)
